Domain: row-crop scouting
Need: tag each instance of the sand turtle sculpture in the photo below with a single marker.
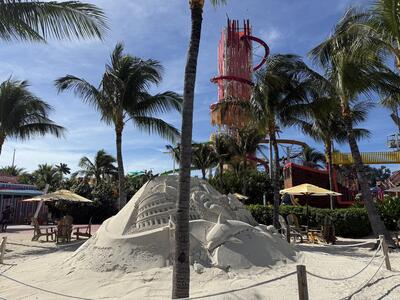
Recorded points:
(141, 236)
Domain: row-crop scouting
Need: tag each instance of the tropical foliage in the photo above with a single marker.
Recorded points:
(123, 97)
(22, 114)
(39, 20)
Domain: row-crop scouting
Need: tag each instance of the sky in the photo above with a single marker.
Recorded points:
(160, 29)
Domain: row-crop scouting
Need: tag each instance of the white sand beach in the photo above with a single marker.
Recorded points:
(45, 265)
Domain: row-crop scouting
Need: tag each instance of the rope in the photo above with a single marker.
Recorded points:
(240, 289)
(351, 245)
(42, 289)
(366, 283)
(348, 277)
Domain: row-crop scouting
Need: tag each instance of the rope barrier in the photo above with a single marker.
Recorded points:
(351, 245)
(366, 283)
(240, 289)
(42, 289)
(347, 277)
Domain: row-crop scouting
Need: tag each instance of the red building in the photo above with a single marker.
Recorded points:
(295, 174)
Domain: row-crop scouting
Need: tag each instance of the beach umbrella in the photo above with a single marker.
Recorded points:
(308, 190)
(60, 195)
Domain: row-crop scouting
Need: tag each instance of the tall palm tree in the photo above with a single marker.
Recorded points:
(22, 114)
(181, 270)
(123, 96)
(63, 169)
(101, 168)
(12, 171)
(284, 83)
(39, 20)
(356, 70)
(322, 121)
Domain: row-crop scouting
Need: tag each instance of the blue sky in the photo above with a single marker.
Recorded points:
(159, 29)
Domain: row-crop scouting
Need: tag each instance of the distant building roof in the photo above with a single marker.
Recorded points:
(8, 179)
(21, 192)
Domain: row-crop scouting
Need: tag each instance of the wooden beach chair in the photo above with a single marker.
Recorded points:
(85, 231)
(293, 233)
(324, 235)
(294, 223)
(64, 229)
(37, 231)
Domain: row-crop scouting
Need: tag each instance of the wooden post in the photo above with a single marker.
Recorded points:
(288, 232)
(385, 251)
(302, 282)
(3, 249)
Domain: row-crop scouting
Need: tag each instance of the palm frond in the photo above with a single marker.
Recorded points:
(37, 21)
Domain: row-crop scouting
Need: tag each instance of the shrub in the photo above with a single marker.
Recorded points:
(349, 222)
(389, 210)
(251, 183)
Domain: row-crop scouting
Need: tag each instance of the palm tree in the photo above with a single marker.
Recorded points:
(12, 171)
(22, 114)
(312, 157)
(322, 121)
(123, 96)
(63, 169)
(47, 174)
(355, 69)
(101, 168)
(282, 85)
(203, 154)
(181, 270)
(39, 20)
(204, 157)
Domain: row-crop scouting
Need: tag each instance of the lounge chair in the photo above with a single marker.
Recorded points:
(293, 233)
(324, 235)
(37, 231)
(294, 223)
(64, 229)
(85, 231)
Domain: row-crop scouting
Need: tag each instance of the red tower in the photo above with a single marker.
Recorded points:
(235, 72)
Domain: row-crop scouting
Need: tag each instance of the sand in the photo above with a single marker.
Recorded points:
(44, 265)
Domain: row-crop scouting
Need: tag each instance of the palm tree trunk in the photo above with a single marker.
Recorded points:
(181, 270)
(378, 227)
(2, 140)
(328, 154)
(203, 173)
(121, 173)
(275, 178)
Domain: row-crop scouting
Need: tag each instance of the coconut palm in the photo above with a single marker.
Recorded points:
(12, 171)
(47, 174)
(101, 168)
(312, 157)
(123, 96)
(322, 121)
(356, 70)
(283, 84)
(63, 169)
(203, 157)
(181, 271)
(39, 20)
(22, 114)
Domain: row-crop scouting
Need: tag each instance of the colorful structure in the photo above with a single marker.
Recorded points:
(235, 72)
(12, 193)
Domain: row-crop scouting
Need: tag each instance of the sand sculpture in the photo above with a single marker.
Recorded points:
(223, 233)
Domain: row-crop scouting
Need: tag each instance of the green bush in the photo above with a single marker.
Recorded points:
(251, 183)
(349, 222)
(389, 210)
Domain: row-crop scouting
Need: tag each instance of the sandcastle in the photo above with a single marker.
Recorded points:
(223, 233)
